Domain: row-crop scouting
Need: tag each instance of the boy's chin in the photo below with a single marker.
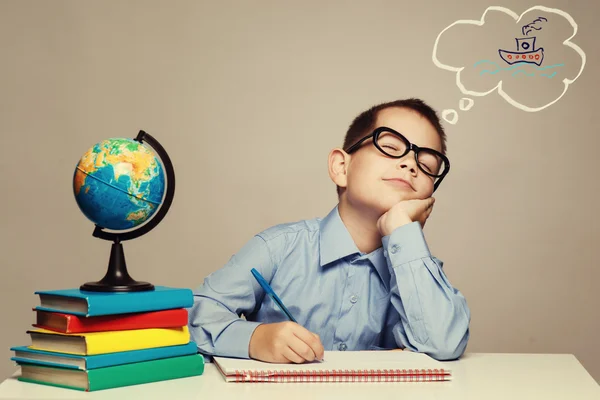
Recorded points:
(379, 205)
(391, 200)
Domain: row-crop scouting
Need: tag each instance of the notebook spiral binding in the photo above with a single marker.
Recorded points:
(340, 375)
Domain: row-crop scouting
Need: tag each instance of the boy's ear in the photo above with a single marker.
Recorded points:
(338, 166)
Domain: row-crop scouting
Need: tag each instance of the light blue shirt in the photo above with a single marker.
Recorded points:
(394, 297)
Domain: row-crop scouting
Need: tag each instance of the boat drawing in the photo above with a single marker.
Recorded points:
(526, 52)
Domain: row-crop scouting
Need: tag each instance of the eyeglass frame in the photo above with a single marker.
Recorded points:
(410, 146)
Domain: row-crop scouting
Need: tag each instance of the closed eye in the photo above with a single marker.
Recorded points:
(426, 168)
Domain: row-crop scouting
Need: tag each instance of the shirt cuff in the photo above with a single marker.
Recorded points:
(405, 244)
(234, 341)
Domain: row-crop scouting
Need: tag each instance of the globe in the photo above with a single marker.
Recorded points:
(119, 183)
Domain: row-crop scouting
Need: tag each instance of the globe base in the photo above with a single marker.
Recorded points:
(133, 286)
(117, 278)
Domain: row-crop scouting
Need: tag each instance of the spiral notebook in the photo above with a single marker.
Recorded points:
(340, 366)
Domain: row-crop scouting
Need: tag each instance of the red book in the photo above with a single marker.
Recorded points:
(69, 323)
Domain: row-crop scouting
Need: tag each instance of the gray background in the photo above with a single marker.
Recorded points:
(248, 98)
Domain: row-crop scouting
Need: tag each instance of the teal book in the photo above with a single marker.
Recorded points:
(25, 355)
(116, 376)
(90, 304)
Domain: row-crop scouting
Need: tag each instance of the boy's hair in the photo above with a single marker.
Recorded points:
(364, 123)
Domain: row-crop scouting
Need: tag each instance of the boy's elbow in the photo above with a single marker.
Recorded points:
(449, 350)
(446, 354)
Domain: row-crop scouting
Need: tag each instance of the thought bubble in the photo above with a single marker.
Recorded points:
(528, 59)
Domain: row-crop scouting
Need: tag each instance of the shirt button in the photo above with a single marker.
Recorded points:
(353, 298)
(342, 347)
(395, 249)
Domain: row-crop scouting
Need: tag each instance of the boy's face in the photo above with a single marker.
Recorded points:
(375, 181)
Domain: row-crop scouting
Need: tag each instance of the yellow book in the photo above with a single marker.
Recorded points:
(91, 343)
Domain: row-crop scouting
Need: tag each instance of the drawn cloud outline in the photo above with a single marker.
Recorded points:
(498, 87)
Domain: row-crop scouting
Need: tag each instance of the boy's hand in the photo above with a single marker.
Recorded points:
(403, 213)
(285, 342)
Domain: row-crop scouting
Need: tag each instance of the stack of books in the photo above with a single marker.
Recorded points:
(99, 340)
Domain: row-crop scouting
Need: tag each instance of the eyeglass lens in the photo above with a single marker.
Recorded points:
(394, 146)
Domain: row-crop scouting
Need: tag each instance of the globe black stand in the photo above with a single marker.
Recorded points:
(117, 278)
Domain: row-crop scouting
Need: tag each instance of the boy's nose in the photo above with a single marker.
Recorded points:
(407, 162)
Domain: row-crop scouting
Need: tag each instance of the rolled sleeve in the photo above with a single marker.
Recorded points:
(235, 340)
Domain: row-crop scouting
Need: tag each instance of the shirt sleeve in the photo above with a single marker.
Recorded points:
(434, 316)
(215, 320)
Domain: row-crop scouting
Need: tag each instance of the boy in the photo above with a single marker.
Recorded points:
(362, 277)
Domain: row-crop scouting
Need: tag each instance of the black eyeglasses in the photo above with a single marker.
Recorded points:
(394, 145)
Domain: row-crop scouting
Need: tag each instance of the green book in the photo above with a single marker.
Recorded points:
(116, 376)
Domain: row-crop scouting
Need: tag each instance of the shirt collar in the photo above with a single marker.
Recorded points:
(336, 243)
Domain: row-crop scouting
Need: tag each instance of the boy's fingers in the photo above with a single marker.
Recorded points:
(312, 340)
(427, 203)
(318, 348)
(291, 355)
(302, 349)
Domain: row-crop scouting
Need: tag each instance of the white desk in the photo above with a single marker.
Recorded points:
(475, 376)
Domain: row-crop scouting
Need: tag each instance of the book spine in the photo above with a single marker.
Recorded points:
(146, 372)
(138, 339)
(386, 375)
(152, 319)
(134, 356)
(140, 302)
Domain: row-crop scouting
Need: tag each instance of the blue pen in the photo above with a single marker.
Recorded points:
(262, 282)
